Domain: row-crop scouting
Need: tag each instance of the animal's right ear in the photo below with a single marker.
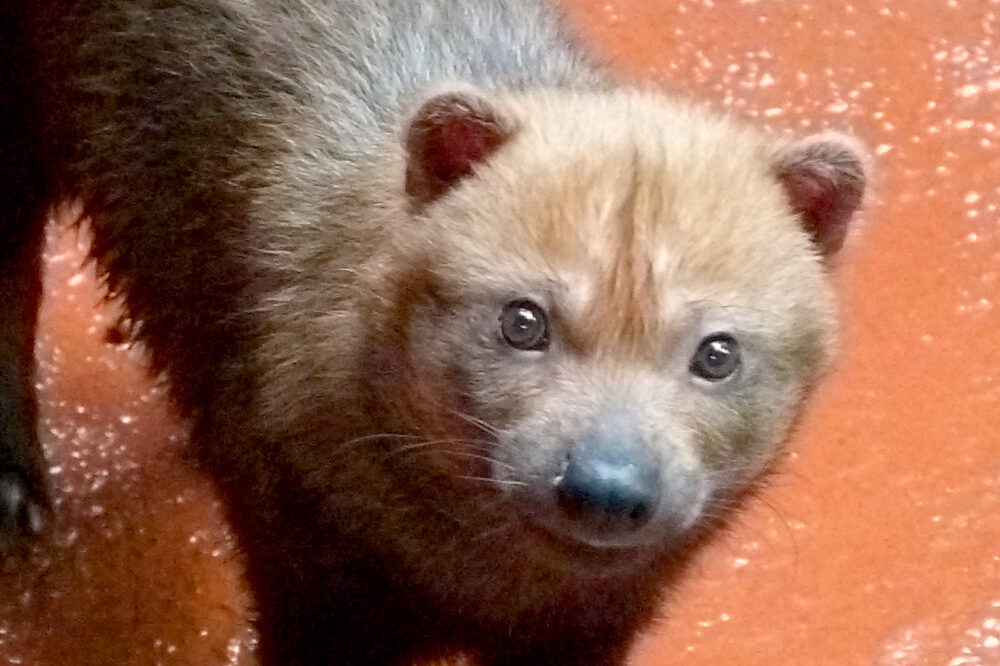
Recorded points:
(447, 137)
(824, 177)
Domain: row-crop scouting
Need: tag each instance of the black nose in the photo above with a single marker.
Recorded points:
(610, 482)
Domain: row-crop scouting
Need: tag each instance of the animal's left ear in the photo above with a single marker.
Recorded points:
(824, 176)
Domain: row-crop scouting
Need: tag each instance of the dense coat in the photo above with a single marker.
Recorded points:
(474, 339)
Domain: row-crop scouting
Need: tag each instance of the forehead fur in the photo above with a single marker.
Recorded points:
(638, 208)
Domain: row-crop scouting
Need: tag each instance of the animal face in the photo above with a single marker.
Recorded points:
(604, 317)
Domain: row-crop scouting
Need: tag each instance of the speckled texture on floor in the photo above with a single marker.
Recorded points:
(878, 543)
(142, 568)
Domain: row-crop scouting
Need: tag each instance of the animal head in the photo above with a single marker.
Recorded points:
(603, 310)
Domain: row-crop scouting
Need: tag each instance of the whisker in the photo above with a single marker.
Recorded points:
(494, 482)
(478, 422)
(482, 444)
(376, 436)
(461, 454)
(406, 448)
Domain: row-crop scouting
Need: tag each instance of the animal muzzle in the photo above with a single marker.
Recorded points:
(616, 488)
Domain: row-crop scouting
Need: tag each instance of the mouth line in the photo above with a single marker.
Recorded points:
(563, 548)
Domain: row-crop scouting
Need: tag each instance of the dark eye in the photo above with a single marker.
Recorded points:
(523, 325)
(717, 358)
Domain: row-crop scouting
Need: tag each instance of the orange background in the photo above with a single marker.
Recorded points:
(878, 543)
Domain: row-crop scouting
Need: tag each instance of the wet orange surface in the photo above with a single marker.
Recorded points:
(141, 569)
(877, 543)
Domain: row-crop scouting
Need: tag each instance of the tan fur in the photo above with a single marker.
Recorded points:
(636, 215)
(474, 338)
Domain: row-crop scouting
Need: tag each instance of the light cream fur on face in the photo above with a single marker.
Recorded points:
(640, 226)
(639, 238)
(643, 216)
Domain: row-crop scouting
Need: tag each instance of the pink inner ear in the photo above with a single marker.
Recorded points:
(824, 207)
(815, 196)
(825, 184)
(448, 136)
(462, 142)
